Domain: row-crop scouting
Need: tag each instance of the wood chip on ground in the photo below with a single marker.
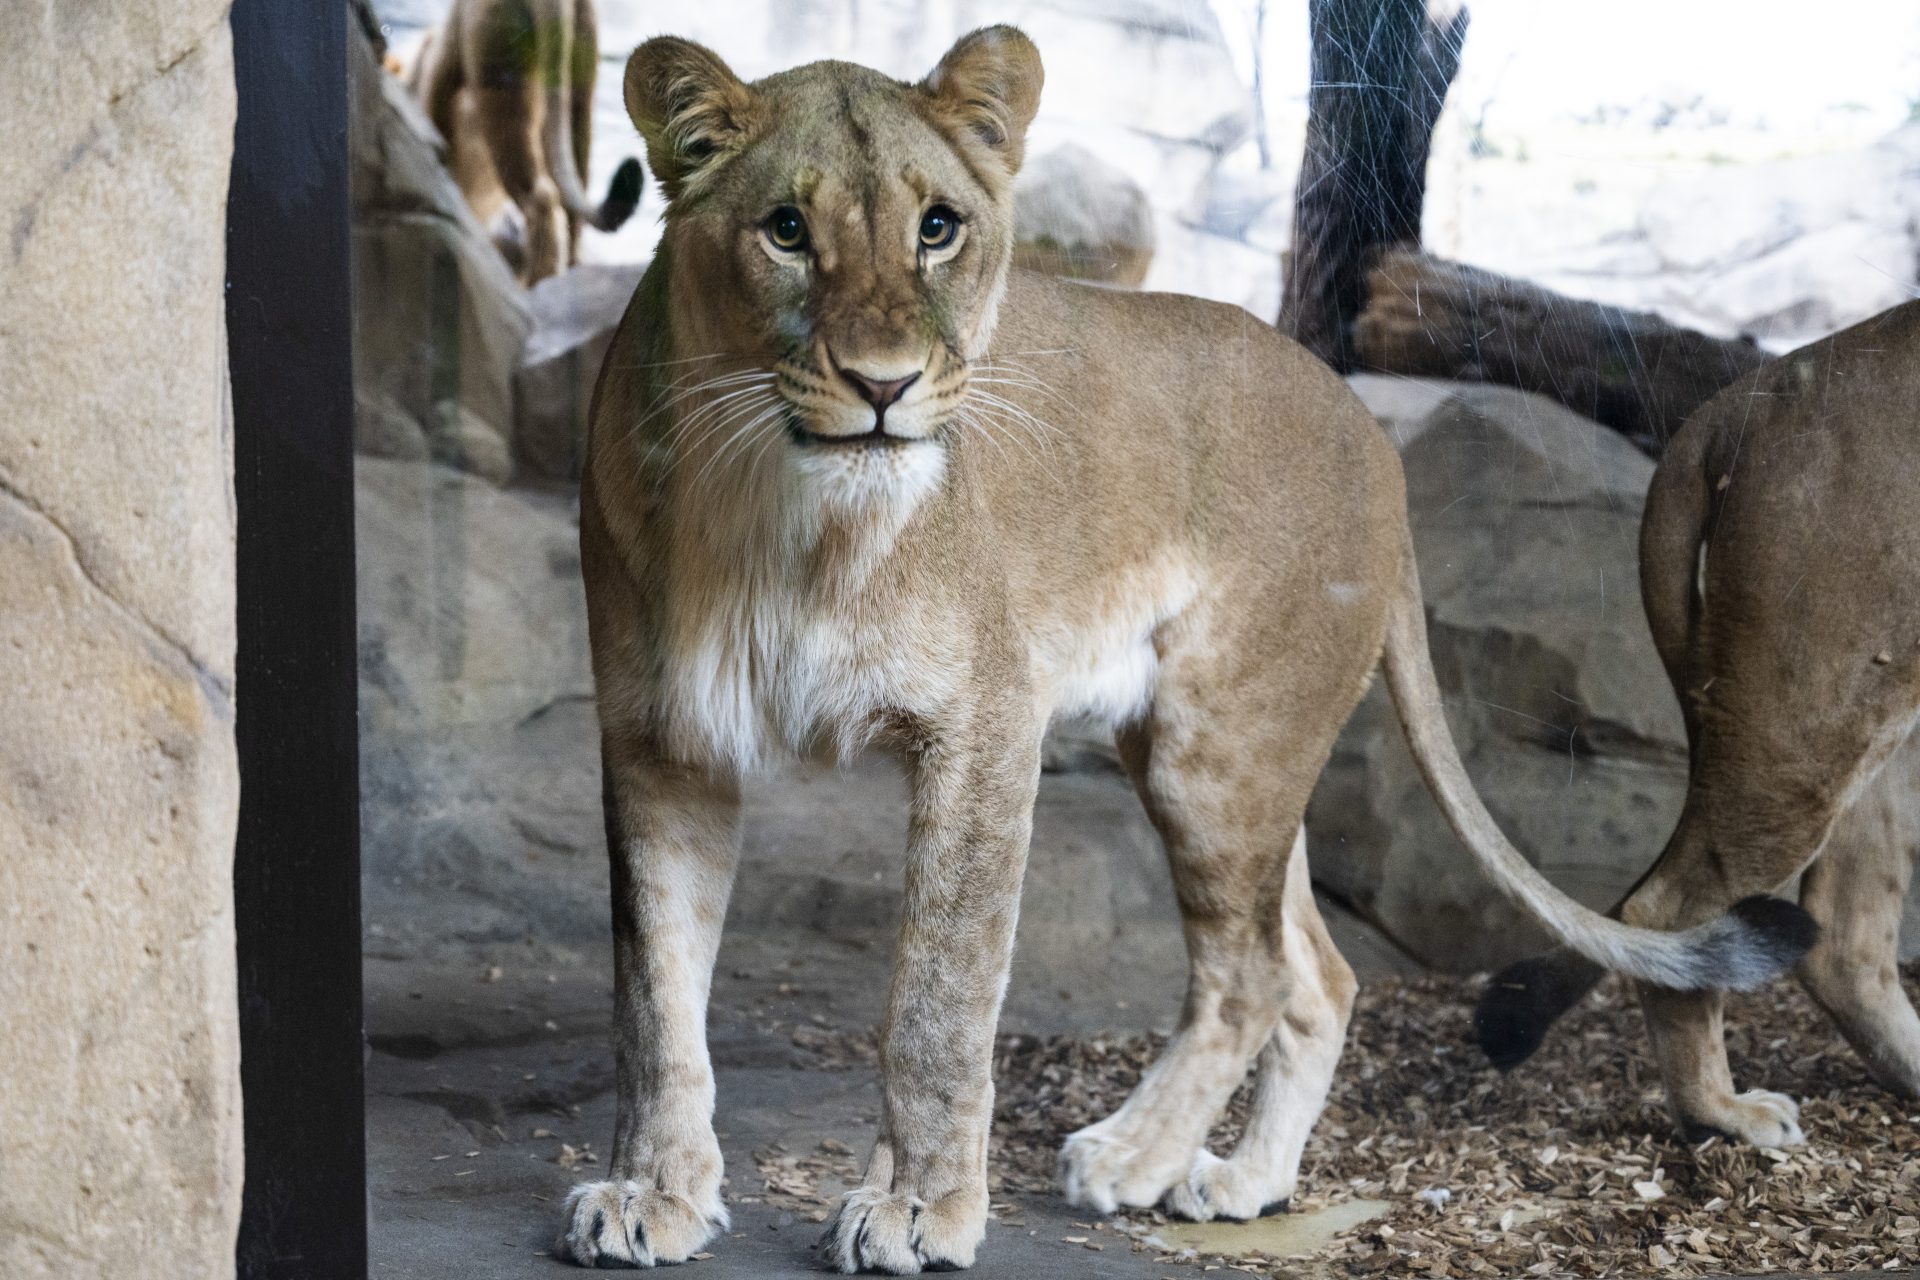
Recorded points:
(1567, 1166)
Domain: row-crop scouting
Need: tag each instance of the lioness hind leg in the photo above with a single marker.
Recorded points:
(1856, 890)
(1295, 1070)
(1224, 762)
(1688, 885)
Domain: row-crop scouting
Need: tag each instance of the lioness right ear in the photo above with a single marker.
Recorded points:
(690, 107)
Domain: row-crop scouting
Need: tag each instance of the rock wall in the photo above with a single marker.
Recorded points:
(119, 1084)
(438, 319)
(1785, 250)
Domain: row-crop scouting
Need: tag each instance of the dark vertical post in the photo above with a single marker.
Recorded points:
(297, 865)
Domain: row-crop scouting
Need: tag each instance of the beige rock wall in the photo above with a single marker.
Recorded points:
(119, 1086)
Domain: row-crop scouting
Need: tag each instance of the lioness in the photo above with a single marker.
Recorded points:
(509, 84)
(1780, 567)
(851, 481)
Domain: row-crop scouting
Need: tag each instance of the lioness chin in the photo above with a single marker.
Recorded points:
(851, 482)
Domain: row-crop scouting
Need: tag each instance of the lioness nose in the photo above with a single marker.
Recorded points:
(877, 393)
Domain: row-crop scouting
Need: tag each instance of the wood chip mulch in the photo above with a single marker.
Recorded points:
(1567, 1166)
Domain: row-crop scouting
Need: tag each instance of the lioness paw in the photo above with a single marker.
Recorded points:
(901, 1235)
(1103, 1172)
(611, 1225)
(1756, 1117)
(1216, 1188)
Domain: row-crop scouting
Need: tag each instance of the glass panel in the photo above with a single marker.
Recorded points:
(907, 558)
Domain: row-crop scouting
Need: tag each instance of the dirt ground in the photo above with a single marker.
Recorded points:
(490, 1084)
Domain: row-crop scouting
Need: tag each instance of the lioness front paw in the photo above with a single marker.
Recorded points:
(1757, 1117)
(1216, 1188)
(901, 1235)
(627, 1224)
(1102, 1172)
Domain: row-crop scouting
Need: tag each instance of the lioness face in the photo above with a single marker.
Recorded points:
(848, 233)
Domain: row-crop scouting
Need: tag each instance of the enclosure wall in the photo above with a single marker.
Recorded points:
(119, 1072)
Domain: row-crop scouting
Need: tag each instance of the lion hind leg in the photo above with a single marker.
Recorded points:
(1856, 889)
(1224, 761)
(1295, 1071)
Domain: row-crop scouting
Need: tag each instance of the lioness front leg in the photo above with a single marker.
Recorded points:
(923, 1202)
(672, 838)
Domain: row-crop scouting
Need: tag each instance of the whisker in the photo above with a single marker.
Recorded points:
(743, 434)
(1042, 431)
(719, 415)
(661, 364)
(681, 394)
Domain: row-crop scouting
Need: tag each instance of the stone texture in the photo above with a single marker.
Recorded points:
(438, 319)
(1078, 216)
(119, 1084)
(479, 765)
(574, 316)
(1525, 519)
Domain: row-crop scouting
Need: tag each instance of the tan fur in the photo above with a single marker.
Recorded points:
(1148, 508)
(1781, 568)
(509, 84)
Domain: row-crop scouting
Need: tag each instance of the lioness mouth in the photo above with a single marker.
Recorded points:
(877, 438)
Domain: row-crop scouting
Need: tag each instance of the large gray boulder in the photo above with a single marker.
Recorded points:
(1080, 217)
(480, 792)
(1525, 519)
(438, 319)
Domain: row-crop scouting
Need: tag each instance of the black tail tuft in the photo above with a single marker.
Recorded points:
(1785, 928)
(1523, 1001)
(623, 196)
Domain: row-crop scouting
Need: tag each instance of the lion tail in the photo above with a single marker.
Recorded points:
(623, 193)
(1523, 1001)
(1758, 938)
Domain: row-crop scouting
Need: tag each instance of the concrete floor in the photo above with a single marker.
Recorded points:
(475, 1045)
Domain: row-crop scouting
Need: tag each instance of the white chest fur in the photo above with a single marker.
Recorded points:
(777, 645)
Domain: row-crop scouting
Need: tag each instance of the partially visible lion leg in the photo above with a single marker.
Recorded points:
(1688, 1029)
(1224, 762)
(672, 843)
(1295, 1070)
(1856, 890)
(510, 118)
(586, 68)
(1736, 838)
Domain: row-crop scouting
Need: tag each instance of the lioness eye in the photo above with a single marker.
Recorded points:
(938, 226)
(787, 229)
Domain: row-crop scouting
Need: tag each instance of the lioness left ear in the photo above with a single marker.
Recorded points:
(987, 90)
(690, 107)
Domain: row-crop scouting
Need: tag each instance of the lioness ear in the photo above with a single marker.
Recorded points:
(987, 89)
(690, 107)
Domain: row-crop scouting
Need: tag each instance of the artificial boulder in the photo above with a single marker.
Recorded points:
(1077, 216)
